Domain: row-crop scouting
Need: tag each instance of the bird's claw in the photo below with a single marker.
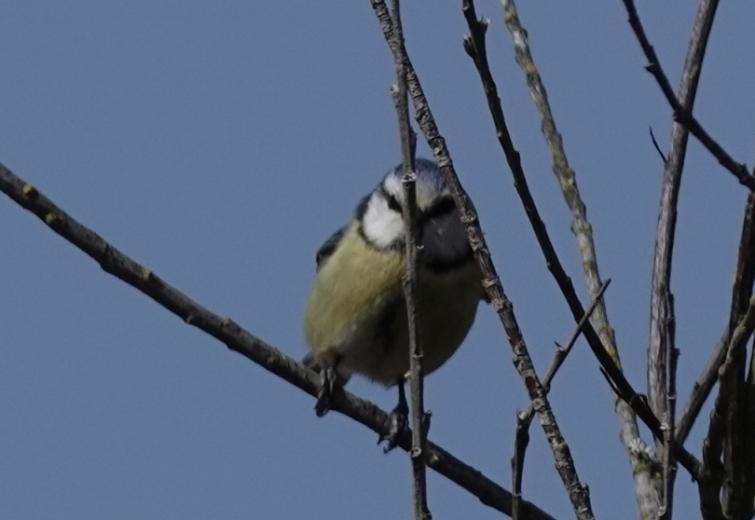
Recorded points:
(325, 394)
(398, 422)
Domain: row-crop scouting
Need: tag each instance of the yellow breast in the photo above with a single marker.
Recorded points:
(349, 287)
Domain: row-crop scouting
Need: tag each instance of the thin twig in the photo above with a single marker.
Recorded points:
(474, 44)
(681, 114)
(564, 463)
(411, 282)
(239, 340)
(701, 389)
(563, 352)
(661, 347)
(524, 419)
(657, 146)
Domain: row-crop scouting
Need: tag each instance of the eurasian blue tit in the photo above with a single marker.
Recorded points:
(356, 320)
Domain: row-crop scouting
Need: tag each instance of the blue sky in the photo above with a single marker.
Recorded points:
(220, 144)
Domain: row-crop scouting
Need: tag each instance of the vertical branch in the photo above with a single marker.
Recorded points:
(737, 502)
(661, 348)
(749, 433)
(577, 492)
(669, 464)
(416, 383)
(521, 441)
(411, 282)
(646, 487)
(408, 137)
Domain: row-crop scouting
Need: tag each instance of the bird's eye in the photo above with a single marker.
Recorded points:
(442, 207)
(393, 203)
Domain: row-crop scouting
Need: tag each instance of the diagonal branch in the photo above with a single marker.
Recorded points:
(729, 380)
(239, 340)
(741, 291)
(474, 44)
(681, 113)
(563, 352)
(712, 448)
(564, 463)
(411, 282)
(524, 419)
(726, 432)
(646, 485)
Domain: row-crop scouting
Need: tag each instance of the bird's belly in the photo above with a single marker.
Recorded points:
(448, 304)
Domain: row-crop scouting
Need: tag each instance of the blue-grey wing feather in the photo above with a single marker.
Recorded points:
(329, 246)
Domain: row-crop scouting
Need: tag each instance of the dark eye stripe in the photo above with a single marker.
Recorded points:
(442, 207)
(391, 200)
(393, 204)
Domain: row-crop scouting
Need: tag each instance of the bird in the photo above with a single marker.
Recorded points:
(355, 320)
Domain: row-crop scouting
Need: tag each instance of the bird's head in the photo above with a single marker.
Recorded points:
(442, 234)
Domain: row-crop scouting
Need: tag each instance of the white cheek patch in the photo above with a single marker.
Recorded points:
(381, 225)
(392, 185)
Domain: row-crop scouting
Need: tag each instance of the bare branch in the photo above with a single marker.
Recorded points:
(239, 340)
(474, 44)
(701, 389)
(521, 441)
(667, 455)
(563, 352)
(411, 281)
(681, 114)
(727, 427)
(720, 420)
(524, 419)
(661, 347)
(749, 433)
(741, 292)
(646, 485)
(522, 360)
(710, 486)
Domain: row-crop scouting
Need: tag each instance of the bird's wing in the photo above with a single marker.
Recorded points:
(328, 247)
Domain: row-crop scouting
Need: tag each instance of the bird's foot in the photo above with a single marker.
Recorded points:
(398, 422)
(327, 389)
